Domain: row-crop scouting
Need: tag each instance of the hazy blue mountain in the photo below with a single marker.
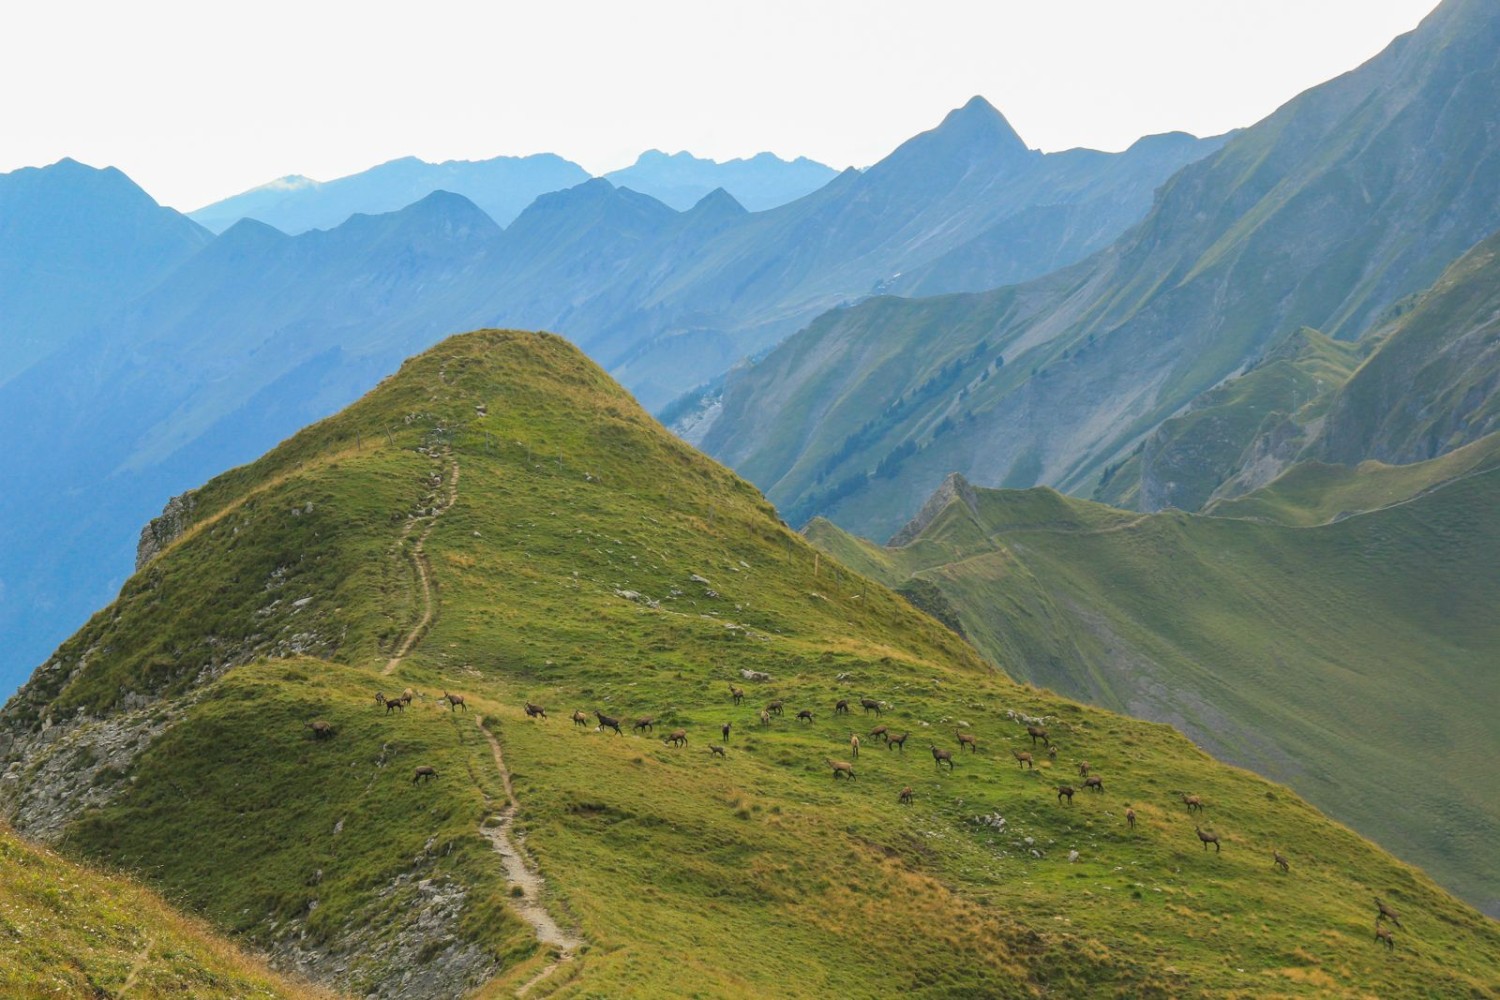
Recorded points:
(501, 186)
(75, 244)
(1348, 198)
(762, 181)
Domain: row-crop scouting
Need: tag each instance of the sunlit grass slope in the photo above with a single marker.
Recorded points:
(592, 561)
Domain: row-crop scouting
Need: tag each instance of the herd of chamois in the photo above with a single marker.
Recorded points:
(844, 769)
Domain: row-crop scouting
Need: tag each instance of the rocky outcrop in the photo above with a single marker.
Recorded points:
(954, 487)
(165, 528)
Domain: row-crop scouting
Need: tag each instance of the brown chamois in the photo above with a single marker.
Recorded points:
(579, 719)
(678, 737)
(1386, 913)
(454, 701)
(1384, 936)
(1095, 782)
(1277, 861)
(646, 724)
(906, 796)
(968, 740)
(724, 730)
(853, 745)
(939, 757)
(424, 773)
(738, 694)
(321, 729)
(1065, 790)
(896, 742)
(1208, 837)
(715, 750)
(842, 768)
(380, 697)
(805, 715)
(777, 707)
(1083, 769)
(605, 722)
(1023, 759)
(871, 705)
(1193, 802)
(765, 717)
(841, 707)
(882, 732)
(1130, 818)
(535, 711)
(409, 694)
(394, 703)
(1051, 751)
(1037, 733)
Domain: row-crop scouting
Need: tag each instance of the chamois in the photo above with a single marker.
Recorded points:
(1023, 759)
(1130, 818)
(738, 694)
(841, 707)
(842, 767)
(1193, 802)
(424, 773)
(1277, 861)
(321, 730)
(714, 748)
(905, 797)
(777, 707)
(409, 694)
(1037, 733)
(968, 740)
(1095, 782)
(805, 715)
(393, 703)
(1051, 751)
(725, 730)
(678, 737)
(605, 722)
(579, 719)
(534, 711)
(1386, 913)
(646, 723)
(1384, 935)
(1208, 838)
(765, 717)
(896, 742)
(1065, 790)
(881, 731)
(1083, 769)
(380, 697)
(870, 704)
(853, 745)
(939, 757)
(454, 701)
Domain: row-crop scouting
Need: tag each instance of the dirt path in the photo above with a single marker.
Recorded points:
(424, 569)
(520, 871)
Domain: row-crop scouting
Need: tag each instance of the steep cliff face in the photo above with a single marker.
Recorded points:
(164, 529)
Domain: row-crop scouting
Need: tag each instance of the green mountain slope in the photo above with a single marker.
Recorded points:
(71, 931)
(501, 521)
(1334, 630)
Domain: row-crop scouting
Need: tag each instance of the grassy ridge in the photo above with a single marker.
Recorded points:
(592, 561)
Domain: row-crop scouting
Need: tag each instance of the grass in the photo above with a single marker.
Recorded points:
(593, 561)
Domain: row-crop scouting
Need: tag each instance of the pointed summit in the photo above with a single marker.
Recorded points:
(980, 121)
(973, 136)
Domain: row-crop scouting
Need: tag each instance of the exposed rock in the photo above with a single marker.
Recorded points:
(165, 528)
(954, 487)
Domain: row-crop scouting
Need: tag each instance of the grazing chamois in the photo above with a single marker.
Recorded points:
(454, 701)
(881, 731)
(1023, 759)
(738, 694)
(1037, 733)
(715, 749)
(777, 707)
(1193, 802)
(1083, 769)
(1095, 782)
(870, 705)
(646, 723)
(841, 707)
(765, 717)
(724, 729)
(394, 703)
(535, 711)
(678, 737)
(896, 742)
(579, 719)
(1386, 913)
(968, 740)
(939, 757)
(805, 715)
(424, 773)
(380, 697)
(409, 694)
(842, 768)
(1277, 861)
(1051, 751)
(1130, 818)
(906, 795)
(321, 730)
(605, 722)
(1208, 837)
(1384, 936)
(1067, 790)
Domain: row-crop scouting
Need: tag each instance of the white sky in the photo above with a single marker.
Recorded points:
(201, 99)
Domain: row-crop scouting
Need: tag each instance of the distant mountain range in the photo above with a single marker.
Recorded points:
(1327, 214)
(681, 180)
(258, 333)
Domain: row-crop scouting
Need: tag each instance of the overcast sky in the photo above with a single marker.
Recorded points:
(199, 100)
